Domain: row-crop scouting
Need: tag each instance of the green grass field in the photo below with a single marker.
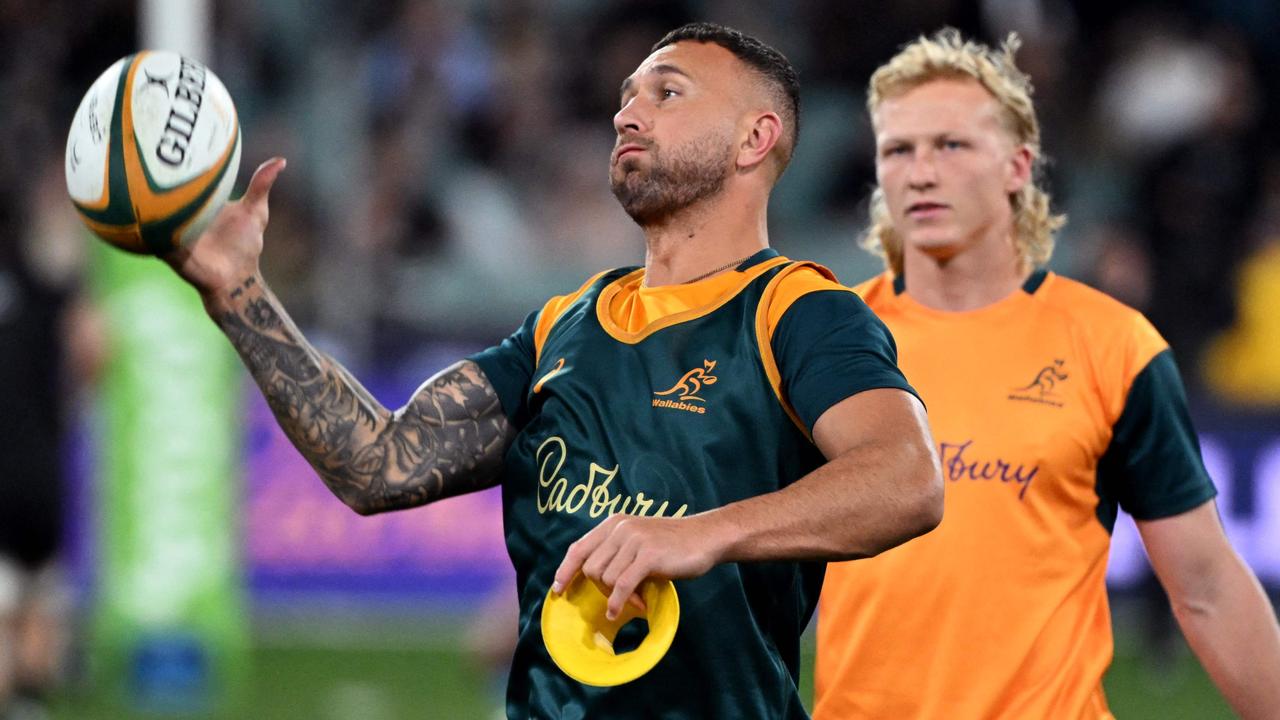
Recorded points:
(293, 679)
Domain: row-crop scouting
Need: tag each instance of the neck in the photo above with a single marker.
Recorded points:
(701, 238)
(968, 280)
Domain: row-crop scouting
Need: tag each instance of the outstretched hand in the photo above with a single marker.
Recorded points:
(623, 551)
(228, 251)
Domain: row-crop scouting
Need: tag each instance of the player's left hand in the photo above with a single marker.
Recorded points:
(624, 550)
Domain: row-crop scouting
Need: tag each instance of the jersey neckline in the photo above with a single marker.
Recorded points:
(1030, 287)
(1032, 283)
(698, 298)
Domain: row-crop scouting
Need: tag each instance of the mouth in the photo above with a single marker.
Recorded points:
(627, 149)
(926, 209)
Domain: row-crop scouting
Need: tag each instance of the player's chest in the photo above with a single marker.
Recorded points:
(1014, 411)
(691, 378)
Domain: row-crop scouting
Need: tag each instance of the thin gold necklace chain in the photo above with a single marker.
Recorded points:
(722, 268)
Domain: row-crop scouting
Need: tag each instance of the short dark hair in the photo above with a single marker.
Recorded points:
(773, 66)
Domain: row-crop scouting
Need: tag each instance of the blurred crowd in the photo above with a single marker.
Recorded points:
(448, 158)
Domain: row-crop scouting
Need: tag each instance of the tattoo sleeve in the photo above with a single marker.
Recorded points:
(449, 439)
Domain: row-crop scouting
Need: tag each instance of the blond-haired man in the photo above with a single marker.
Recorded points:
(1053, 405)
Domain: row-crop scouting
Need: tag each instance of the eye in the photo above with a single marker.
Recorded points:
(954, 144)
(896, 150)
(667, 93)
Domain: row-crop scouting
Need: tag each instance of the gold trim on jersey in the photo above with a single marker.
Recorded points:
(552, 311)
(768, 317)
(631, 338)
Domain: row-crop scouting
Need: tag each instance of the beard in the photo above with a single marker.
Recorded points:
(694, 172)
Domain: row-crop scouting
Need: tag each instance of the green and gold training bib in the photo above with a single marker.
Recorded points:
(667, 402)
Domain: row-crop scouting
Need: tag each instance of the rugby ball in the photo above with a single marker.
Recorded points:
(153, 152)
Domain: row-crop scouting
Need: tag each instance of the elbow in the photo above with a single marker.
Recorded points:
(366, 504)
(920, 502)
(931, 496)
(919, 511)
(1196, 592)
(922, 511)
(1190, 610)
(929, 500)
(929, 505)
(364, 501)
(360, 503)
(925, 511)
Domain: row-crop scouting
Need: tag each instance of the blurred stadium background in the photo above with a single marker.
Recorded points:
(447, 174)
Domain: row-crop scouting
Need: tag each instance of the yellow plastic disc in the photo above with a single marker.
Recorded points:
(580, 638)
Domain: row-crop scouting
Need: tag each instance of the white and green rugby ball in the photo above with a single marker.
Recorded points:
(153, 152)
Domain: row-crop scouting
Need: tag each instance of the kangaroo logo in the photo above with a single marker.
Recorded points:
(691, 383)
(1041, 389)
(1047, 378)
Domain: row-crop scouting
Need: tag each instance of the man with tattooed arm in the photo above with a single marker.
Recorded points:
(722, 416)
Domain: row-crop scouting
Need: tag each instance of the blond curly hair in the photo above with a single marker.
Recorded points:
(947, 55)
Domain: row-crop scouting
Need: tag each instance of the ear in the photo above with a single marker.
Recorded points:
(1019, 169)
(764, 132)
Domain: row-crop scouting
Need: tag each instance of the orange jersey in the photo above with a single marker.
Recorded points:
(1050, 408)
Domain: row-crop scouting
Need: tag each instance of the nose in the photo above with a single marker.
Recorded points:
(922, 173)
(634, 117)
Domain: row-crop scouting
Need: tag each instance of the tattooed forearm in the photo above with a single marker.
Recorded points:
(449, 439)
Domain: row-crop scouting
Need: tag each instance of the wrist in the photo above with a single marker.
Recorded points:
(230, 295)
(219, 279)
(720, 533)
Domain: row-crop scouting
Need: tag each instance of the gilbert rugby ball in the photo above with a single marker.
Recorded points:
(153, 152)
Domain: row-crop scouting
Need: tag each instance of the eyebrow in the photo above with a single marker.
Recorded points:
(926, 137)
(896, 139)
(660, 69)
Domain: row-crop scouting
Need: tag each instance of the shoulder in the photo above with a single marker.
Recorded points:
(600, 279)
(806, 303)
(1084, 300)
(877, 291)
(1100, 317)
(801, 277)
(824, 345)
(554, 308)
(798, 280)
(1116, 342)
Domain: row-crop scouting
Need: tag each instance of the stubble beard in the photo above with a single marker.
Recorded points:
(695, 172)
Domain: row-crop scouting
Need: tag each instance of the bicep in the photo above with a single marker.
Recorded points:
(449, 439)
(877, 442)
(1187, 550)
(455, 426)
(452, 436)
(459, 394)
(830, 347)
(880, 417)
